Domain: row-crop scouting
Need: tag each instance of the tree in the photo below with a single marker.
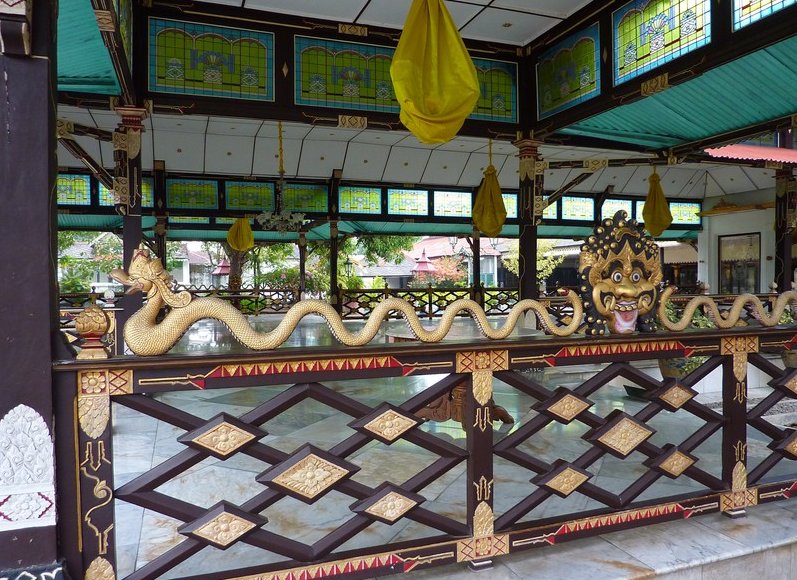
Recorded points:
(546, 263)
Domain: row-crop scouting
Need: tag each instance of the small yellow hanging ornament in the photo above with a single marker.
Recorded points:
(489, 212)
(656, 212)
(433, 75)
(240, 236)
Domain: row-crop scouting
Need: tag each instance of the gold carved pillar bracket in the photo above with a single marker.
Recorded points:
(64, 128)
(15, 19)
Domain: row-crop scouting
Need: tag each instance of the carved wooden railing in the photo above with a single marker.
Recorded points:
(480, 492)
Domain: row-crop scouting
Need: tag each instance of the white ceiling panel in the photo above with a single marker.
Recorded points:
(491, 24)
(319, 158)
(732, 179)
(380, 137)
(107, 120)
(393, 13)
(616, 176)
(696, 187)
(406, 165)
(474, 169)
(89, 145)
(588, 185)
(676, 181)
(444, 167)
(180, 123)
(508, 174)
(364, 161)
(341, 10)
(289, 130)
(229, 155)
(638, 183)
(762, 178)
(556, 178)
(106, 154)
(179, 151)
(411, 141)
(332, 134)
(266, 156)
(464, 144)
(224, 2)
(555, 8)
(76, 115)
(239, 127)
(713, 188)
(147, 147)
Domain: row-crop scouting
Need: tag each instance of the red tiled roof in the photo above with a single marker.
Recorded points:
(754, 153)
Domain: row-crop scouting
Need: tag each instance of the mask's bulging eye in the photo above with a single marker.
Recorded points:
(636, 277)
(617, 276)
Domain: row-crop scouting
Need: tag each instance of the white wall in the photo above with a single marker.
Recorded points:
(761, 221)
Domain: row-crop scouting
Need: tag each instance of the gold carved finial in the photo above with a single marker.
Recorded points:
(92, 324)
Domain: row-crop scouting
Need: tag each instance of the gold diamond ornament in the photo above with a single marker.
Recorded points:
(224, 529)
(391, 507)
(568, 407)
(625, 436)
(676, 464)
(389, 425)
(567, 481)
(224, 438)
(310, 476)
(676, 396)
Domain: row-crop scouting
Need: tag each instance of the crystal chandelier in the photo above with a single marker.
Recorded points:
(280, 220)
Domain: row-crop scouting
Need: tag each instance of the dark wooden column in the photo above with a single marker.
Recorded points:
(476, 250)
(785, 216)
(302, 264)
(161, 209)
(333, 265)
(28, 294)
(127, 193)
(530, 212)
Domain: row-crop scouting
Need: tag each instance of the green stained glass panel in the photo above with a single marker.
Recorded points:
(685, 213)
(306, 197)
(147, 194)
(407, 202)
(213, 61)
(612, 206)
(360, 200)
(192, 194)
(748, 11)
(648, 33)
(224, 221)
(549, 213)
(640, 206)
(578, 208)
(73, 189)
(452, 203)
(510, 203)
(249, 195)
(188, 220)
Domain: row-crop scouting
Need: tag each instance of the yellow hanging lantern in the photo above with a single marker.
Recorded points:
(489, 212)
(433, 75)
(240, 236)
(656, 212)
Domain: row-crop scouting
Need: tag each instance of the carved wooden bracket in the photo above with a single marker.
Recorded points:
(15, 27)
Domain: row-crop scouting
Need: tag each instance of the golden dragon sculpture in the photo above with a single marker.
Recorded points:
(147, 337)
(727, 319)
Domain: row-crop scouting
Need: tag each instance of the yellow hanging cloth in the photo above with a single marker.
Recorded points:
(656, 213)
(489, 212)
(240, 236)
(433, 74)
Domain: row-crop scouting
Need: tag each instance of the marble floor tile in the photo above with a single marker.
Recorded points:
(767, 525)
(772, 564)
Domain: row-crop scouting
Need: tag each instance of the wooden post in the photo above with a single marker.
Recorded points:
(530, 212)
(334, 293)
(476, 250)
(302, 264)
(29, 293)
(785, 214)
(161, 209)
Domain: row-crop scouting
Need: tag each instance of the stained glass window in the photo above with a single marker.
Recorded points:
(360, 200)
(147, 193)
(685, 213)
(648, 33)
(249, 195)
(408, 201)
(612, 206)
(578, 208)
(550, 212)
(73, 189)
(452, 203)
(188, 220)
(224, 221)
(746, 11)
(211, 61)
(569, 72)
(192, 194)
(306, 197)
(510, 204)
(640, 206)
(353, 75)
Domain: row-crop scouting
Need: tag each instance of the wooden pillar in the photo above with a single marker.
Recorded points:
(785, 215)
(530, 213)
(127, 193)
(302, 264)
(476, 250)
(29, 293)
(161, 209)
(333, 265)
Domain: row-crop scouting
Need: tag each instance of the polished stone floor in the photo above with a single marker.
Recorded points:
(141, 442)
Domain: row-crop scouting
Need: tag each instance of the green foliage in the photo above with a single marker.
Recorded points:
(378, 283)
(699, 320)
(449, 273)
(352, 282)
(545, 264)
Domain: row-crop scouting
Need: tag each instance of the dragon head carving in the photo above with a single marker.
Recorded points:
(620, 274)
(147, 274)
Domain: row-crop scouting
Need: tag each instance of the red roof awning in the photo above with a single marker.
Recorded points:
(223, 269)
(754, 153)
(423, 264)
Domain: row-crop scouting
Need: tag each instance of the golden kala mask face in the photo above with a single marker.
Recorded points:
(620, 277)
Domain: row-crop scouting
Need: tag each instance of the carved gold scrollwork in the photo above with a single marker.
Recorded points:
(527, 166)
(100, 569)
(100, 489)
(482, 386)
(121, 191)
(64, 129)
(484, 489)
(354, 29)
(593, 165)
(655, 85)
(352, 122)
(128, 141)
(483, 520)
(482, 418)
